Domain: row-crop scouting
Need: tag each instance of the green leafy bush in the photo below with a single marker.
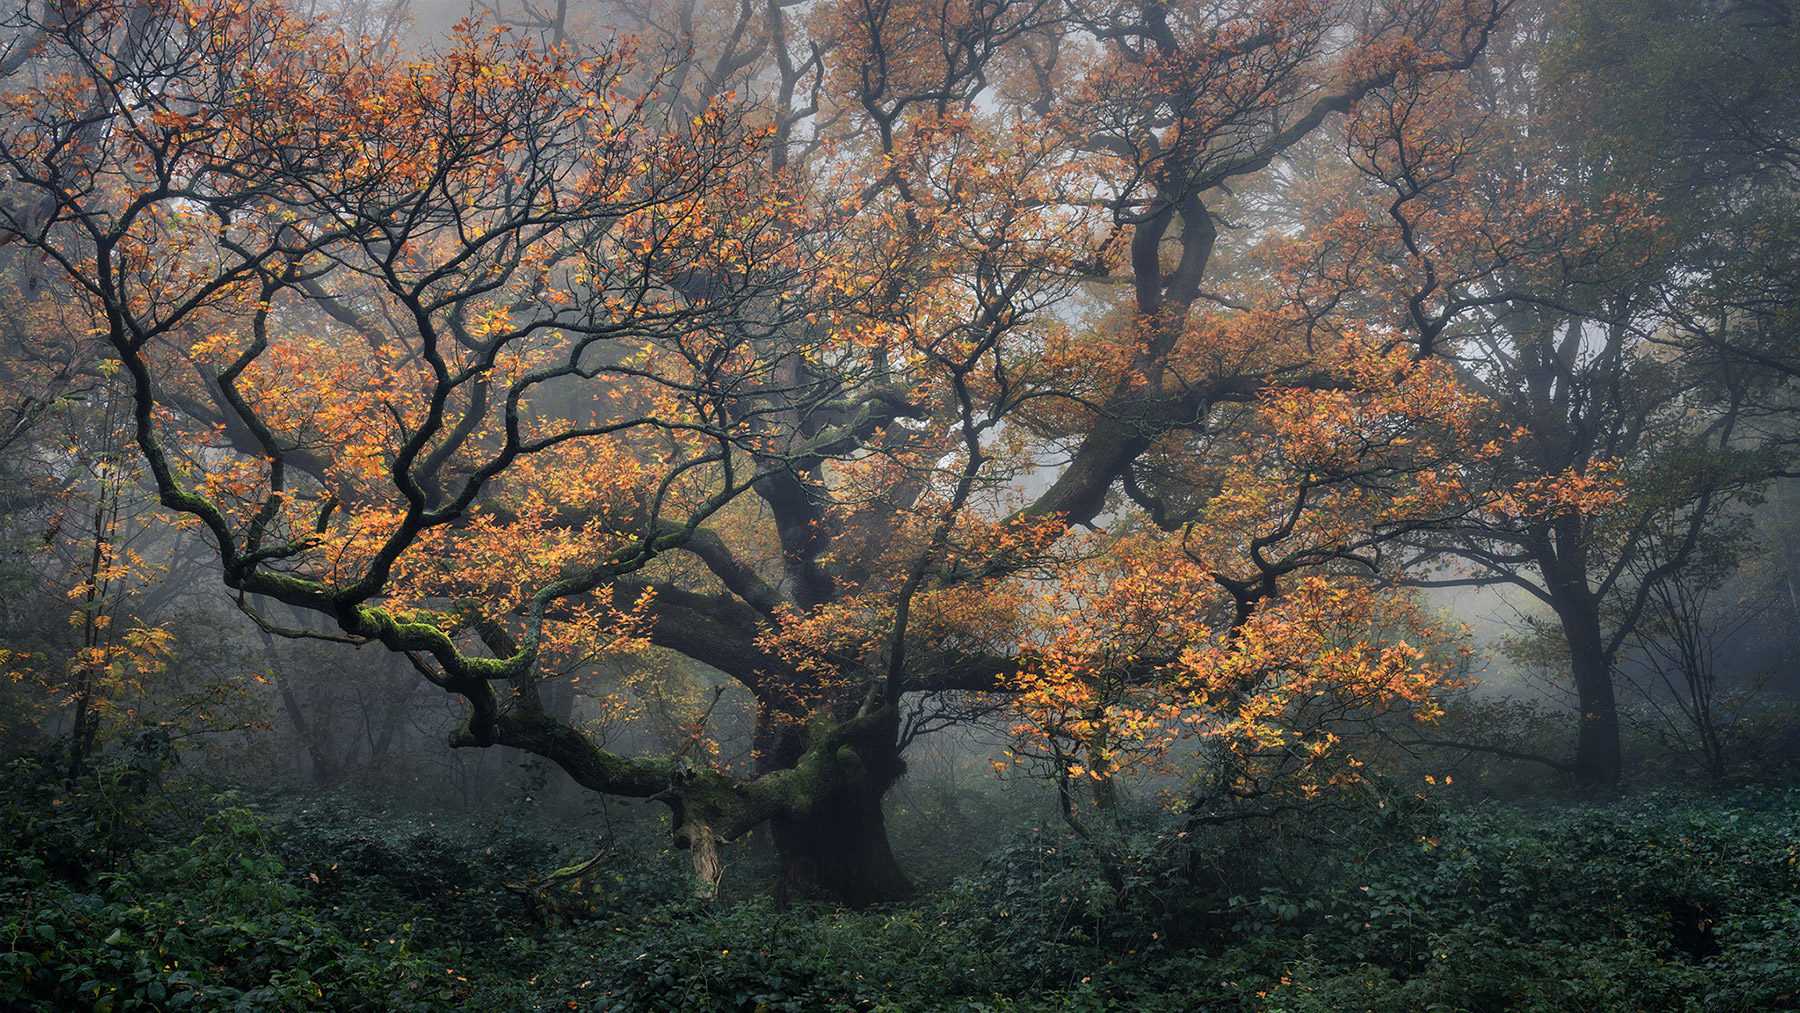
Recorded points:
(95, 918)
(110, 900)
(1662, 902)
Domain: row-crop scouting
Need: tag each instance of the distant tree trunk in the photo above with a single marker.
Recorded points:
(1598, 760)
(395, 700)
(314, 735)
(319, 754)
(85, 730)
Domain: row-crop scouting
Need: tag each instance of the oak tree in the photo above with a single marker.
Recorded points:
(806, 348)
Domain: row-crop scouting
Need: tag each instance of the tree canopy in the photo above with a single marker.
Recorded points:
(1107, 360)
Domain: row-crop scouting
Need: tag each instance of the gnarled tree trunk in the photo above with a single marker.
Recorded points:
(842, 849)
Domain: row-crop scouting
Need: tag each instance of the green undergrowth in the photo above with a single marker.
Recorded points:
(113, 899)
(110, 903)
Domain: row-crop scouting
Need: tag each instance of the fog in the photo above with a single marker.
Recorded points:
(1122, 468)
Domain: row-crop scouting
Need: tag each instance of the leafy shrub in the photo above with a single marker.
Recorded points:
(138, 923)
(366, 867)
(1655, 903)
(1661, 902)
(1050, 905)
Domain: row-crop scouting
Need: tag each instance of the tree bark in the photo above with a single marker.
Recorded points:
(708, 856)
(1598, 759)
(842, 849)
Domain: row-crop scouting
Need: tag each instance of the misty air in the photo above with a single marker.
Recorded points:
(885, 506)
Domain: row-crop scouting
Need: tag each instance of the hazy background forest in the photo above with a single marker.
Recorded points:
(886, 505)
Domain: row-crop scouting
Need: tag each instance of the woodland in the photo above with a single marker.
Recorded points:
(899, 505)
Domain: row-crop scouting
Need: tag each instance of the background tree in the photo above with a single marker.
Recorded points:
(1698, 103)
(86, 583)
(1623, 451)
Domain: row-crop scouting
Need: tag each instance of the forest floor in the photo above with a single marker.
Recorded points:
(122, 895)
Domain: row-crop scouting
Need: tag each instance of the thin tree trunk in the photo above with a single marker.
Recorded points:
(86, 728)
